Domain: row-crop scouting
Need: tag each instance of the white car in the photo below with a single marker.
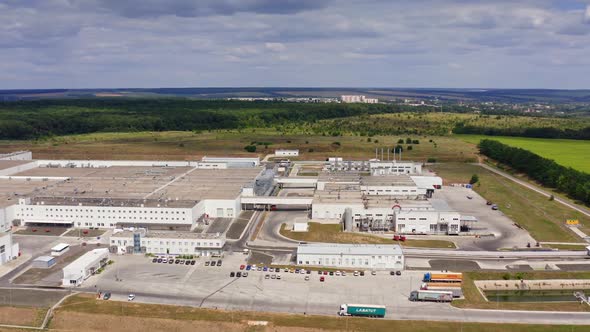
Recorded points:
(306, 278)
(302, 271)
(374, 273)
(278, 276)
(337, 273)
(131, 297)
(356, 273)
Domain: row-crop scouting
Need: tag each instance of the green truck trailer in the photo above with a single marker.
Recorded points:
(363, 310)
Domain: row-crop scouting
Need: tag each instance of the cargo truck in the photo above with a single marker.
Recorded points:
(363, 310)
(431, 296)
(457, 291)
(443, 277)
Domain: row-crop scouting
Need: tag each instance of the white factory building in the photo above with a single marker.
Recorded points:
(358, 99)
(141, 241)
(286, 153)
(85, 266)
(396, 202)
(173, 195)
(352, 256)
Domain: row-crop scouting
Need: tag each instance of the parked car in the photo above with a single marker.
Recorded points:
(296, 270)
(259, 268)
(306, 278)
(286, 270)
(245, 274)
(325, 273)
(494, 207)
(356, 273)
(489, 203)
(308, 272)
(131, 297)
(398, 273)
(331, 273)
(177, 261)
(182, 261)
(392, 273)
(155, 260)
(248, 267)
(193, 262)
(164, 260)
(219, 262)
(242, 267)
(267, 276)
(239, 274)
(469, 197)
(265, 269)
(170, 261)
(337, 273)
(322, 278)
(320, 272)
(207, 263)
(187, 262)
(232, 274)
(344, 273)
(160, 260)
(274, 276)
(278, 276)
(362, 273)
(373, 273)
(106, 296)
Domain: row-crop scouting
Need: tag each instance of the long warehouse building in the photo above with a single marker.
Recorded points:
(354, 256)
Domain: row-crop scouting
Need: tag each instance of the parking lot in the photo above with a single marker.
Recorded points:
(212, 286)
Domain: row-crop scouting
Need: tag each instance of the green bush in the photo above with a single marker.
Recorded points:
(250, 148)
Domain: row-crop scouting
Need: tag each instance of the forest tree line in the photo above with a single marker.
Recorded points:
(574, 183)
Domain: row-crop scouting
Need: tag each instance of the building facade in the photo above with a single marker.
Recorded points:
(286, 153)
(9, 250)
(86, 265)
(352, 256)
(141, 241)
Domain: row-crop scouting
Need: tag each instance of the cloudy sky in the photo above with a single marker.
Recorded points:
(320, 43)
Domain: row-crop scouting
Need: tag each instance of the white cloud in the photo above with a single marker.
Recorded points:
(587, 14)
(275, 47)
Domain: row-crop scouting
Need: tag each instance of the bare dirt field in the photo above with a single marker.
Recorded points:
(21, 315)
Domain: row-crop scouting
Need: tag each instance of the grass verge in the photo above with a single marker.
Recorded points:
(331, 233)
(88, 305)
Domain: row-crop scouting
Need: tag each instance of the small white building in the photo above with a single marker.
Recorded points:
(353, 256)
(8, 250)
(86, 265)
(233, 162)
(300, 226)
(286, 153)
(60, 249)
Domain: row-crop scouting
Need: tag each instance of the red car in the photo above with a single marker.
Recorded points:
(322, 278)
(325, 273)
(242, 267)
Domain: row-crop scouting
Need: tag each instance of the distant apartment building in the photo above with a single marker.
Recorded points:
(358, 99)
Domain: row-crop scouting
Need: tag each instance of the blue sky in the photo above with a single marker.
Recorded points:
(320, 43)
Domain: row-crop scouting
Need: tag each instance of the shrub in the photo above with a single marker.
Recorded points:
(400, 141)
(474, 179)
(336, 143)
(309, 150)
(431, 160)
(415, 141)
(408, 140)
(250, 148)
(409, 148)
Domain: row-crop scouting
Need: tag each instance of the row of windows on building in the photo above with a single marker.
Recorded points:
(161, 211)
(168, 243)
(351, 261)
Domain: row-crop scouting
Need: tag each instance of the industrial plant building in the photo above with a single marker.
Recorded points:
(141, 241)
(353, 256)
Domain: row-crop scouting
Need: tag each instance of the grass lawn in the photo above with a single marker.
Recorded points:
(79, 309)
(174, 145)
(85, 232)
(331, 233)
(474, 299)
(566, 246)
(571, 153)
(543, 219)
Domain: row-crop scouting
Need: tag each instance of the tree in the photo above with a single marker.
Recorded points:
(250, 148)
(408, 140)
(474, 179)
(409, 148)
(415, 141)
(400, 141)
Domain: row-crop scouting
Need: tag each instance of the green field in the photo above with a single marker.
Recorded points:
(572, 153)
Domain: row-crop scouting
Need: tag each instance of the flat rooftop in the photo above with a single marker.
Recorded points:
(339, 176)
(13, 189)
(132, 184)
(388, 180)
(112, 202)
(349, 249)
